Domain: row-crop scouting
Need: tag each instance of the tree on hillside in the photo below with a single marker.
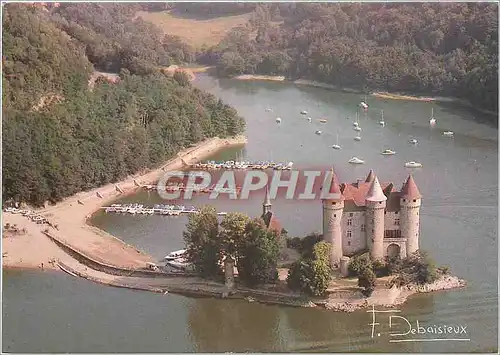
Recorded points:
(203, 243)
(258, 254)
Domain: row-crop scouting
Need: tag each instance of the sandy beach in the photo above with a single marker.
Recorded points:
(33, 248)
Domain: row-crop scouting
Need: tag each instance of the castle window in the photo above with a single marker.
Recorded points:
(349, 222)
(404, 200)
(414, 200)
(334, 203)
(362, 228)
(351, 214)
(396, 221)
(334, 215)
(385, 212)
(380, 202)
(348, 244)
(349, 234)
(396, 212)
(417, 213)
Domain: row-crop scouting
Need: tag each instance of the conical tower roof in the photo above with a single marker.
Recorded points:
(410, 189)
(371, 176)
(334, 186)
(375, 193)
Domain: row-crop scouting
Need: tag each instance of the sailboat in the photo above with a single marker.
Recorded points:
(432, 121)
(356, 123)
(337, 146)
(381, 122)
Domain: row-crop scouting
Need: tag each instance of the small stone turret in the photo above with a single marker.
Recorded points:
(375, 208)
(410, 207)
(266, 206)
(333, 208)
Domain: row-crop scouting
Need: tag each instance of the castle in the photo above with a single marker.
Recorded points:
(367, 216)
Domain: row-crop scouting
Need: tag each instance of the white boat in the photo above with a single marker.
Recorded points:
(221, 213)
(432, 121)
(356, 160)
(413, 141)
(303, 112)
(309, 119)
(318, 132)
(337, 146)
(357, 129)
(278, 120)
(412, 164)
(269, 109)
(448, 133)
(176, 254)
(356, 123)
(381, 122)
(388, 152)
(363, 105)
(323, 120)
(182, 264)
(357, 138)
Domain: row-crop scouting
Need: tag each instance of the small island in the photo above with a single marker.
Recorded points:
(377, 227)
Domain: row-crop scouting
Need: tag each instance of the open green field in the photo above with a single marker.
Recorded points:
(195, 32)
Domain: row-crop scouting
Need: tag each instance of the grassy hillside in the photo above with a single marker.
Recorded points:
(196, 32)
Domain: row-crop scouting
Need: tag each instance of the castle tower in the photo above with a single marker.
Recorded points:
(370, 177)
(332, 217)
(375, 207)
(410, 208)
(266, 206)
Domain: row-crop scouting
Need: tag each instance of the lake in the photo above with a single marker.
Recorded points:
(51, 312)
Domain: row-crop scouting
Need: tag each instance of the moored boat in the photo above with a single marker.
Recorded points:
(413, 164)
(356, 160)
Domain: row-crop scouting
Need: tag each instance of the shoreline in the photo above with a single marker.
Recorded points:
(85, 251)
(378, 94)
(72, 213)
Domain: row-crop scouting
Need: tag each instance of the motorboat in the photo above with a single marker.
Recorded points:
(303, 112)
(388, 152)
(432, 121)
(412, 164)
(363, 105)
(357, 129)
(413, 141)
(337, 145)
(309, 119)
(355, 124)
(323, 120)
(176, 255)
(356, 160)
(181, 264)
(278, 120)
(318, 132)
(448, 133)
(357, 138)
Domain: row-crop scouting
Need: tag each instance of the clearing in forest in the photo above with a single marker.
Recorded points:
(195, 32)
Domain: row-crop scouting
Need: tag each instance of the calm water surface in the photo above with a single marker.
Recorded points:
(458, 181)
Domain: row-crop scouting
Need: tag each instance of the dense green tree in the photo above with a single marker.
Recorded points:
(203, 243)
(62, 135)
(233, 233)
(258, 254)
(311, 274)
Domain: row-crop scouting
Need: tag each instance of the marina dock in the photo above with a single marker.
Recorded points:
(164, 210)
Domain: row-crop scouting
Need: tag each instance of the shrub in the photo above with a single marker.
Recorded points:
(359, 263)
(366, 279)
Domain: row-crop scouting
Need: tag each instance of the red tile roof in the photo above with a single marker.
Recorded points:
(335, 186)
(272, 222)
(410, 189)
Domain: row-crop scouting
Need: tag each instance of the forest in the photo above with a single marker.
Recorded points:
(59, 136)
(441, 49)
